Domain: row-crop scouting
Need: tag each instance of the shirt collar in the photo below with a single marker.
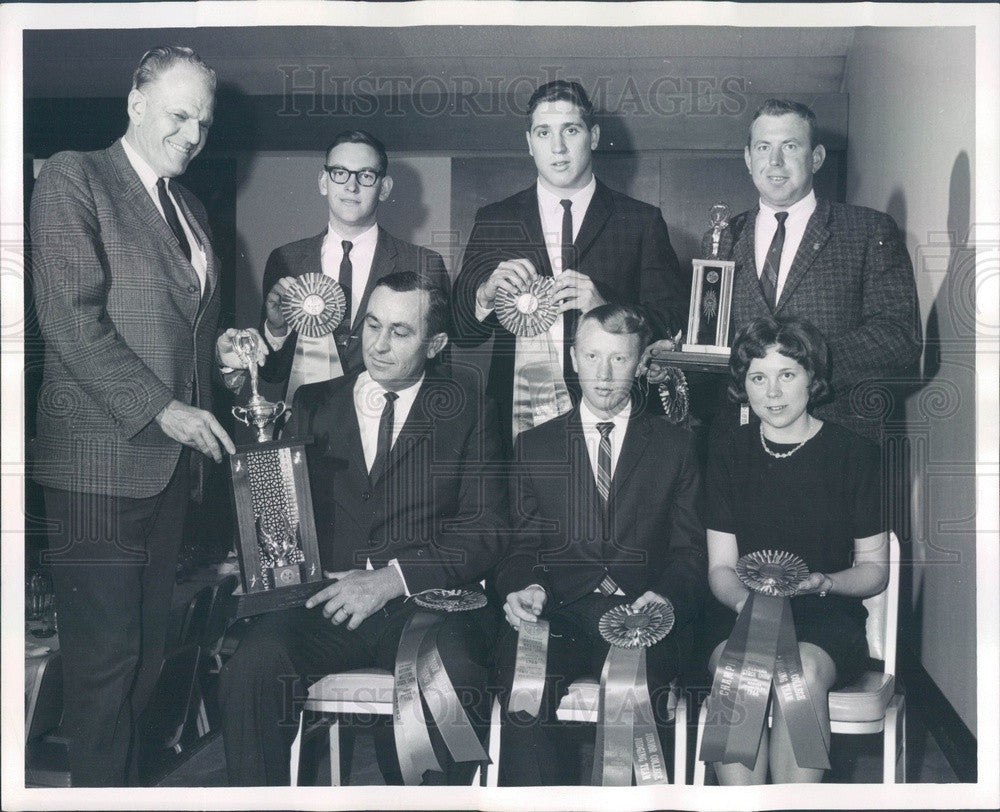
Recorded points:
(368, 237)
(590, 420)
(805, 206)
(368, 387)
(142, 168)
(581, 198)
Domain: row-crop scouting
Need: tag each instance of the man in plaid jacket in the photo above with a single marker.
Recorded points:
(844, 268)
(126, 287)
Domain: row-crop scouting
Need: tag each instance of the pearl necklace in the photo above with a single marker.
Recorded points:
(783, 454)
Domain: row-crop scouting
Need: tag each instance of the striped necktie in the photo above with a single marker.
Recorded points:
(604, 461)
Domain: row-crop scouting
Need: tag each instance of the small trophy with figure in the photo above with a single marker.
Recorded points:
(277, 549)
(711, 294)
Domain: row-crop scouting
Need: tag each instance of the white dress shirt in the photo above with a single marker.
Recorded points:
(592, 436)
(795, 226)
(148, 177)
(369, 401)
(331, 254)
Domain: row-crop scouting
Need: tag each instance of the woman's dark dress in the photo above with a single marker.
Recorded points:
(814, 504)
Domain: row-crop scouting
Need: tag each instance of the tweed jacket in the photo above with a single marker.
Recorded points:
(440, 506)
(853, 279)
(304, 256)
(622, 245)
(648, 537)
(126, 325)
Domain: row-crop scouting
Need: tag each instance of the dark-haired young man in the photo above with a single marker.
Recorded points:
(406, 497)
(600, 245)
(353, 250)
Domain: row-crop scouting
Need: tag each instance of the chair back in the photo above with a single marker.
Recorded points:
(221, 610)
(45, 704)
(162, 723)
(883, 612)
(195, 618)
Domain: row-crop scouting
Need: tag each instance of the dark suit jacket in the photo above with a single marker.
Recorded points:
(853, 279)
(649, 538)
(303, 256)
(622, 245)
(439, 509)
(125, 324)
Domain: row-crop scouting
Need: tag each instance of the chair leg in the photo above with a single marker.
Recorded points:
(699, 765)
(493, 771)
(335, 752)
(296, 751)
(894, 739)
(202, 721)
(680, 739)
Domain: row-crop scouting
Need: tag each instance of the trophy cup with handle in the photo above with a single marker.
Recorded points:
(272, 501)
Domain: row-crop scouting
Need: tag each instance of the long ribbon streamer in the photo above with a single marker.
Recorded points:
(810, 747)
(444, 704)
(529, 668)
(413, 743)
(626, 741)
(762, 650)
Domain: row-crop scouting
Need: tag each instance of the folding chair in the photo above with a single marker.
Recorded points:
(873, 703)
(363, 691)
(46, 758)
(580, 704)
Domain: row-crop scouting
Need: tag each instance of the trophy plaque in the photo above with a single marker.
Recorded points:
(711, 295)
(277, 548)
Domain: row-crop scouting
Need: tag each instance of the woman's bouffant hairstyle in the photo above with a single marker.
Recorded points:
(792, 337)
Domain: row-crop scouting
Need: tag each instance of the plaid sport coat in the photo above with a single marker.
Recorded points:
(125, 324)
(853, 279)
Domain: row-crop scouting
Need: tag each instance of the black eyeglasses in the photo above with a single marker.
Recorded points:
(366, 177)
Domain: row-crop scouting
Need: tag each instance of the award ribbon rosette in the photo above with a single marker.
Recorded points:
(627, 740)
(420, 672)
(763, 650)
(314, 305)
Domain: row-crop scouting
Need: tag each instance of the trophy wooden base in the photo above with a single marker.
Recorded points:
(690, 361)
(274, 600)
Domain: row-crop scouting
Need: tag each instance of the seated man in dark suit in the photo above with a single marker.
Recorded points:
(353, 250)
(404, 501)
(603, 501)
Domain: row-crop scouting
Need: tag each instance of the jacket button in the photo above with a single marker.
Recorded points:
(366, 495)
(192, 288)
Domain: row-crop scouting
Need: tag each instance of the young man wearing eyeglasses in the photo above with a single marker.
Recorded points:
(353, 250)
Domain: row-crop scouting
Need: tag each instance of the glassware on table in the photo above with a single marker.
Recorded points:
(39, 597)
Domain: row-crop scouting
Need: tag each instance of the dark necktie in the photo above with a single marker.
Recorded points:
(385, 425)
(345, 279)
(772, 262)
(570, 316)
(604, 461)
(170, 214)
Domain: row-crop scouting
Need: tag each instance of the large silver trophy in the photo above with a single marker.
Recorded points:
(711, 294)
(277, 549)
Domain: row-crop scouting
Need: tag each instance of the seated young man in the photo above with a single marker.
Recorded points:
(604, 512)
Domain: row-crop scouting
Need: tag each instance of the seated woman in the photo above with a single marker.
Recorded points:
(788, 481)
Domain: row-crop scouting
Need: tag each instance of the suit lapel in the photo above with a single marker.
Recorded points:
(635, 445)
(813, 240)
(532, 221)
(746, 284)
(211, 268)
(142, 204)
(383, 264)
(344, 426)
(594, 221)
